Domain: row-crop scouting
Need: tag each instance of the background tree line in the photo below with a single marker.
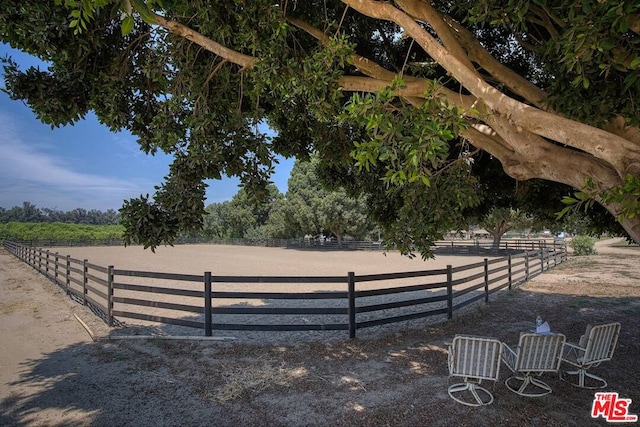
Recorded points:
(314, 206)
(28, 222)
(30, 213)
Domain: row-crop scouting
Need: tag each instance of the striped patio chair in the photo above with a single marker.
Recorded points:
(474, 359)
(535, 355)
(595, 346)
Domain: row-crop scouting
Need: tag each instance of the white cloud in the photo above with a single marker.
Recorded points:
(30, 172)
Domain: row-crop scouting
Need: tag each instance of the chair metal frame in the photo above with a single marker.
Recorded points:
(600, 346)
(474, 359)
(535, 355)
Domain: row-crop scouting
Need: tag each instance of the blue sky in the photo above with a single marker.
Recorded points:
(82, 166)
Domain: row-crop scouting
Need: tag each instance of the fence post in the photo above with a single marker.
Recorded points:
(486, 280)
(526, 266)
(541, 260)
(207, 304)
(40, 260)
(351, 295)
(449, 292)
(46, 265)
(509, 270)
(110, 295)
(548, 257)
(85, 280)
(55, 268)
(68, 274)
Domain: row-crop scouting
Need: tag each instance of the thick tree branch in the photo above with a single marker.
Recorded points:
(423, 11)
(510, 78)
(623, 155)
(545, 161)
(412, 89)
(245, 61)
(618, 127)
(485, 138)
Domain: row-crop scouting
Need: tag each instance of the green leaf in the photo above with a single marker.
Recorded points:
(127, 25)
(569, 200)
(145, 12)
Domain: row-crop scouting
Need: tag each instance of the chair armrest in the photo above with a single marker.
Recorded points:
(509, 356)
(572, 349)
(576, 346)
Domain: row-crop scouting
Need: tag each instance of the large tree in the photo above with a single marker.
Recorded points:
(398, 96)
(500, 220)
(240, 217)
(313, 210)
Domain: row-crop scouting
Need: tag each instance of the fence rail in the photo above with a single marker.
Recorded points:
(454, 246)
(271, 303)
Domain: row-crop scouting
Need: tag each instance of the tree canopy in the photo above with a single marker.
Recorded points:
(307, 209)
(311, 209)
(401, 100)
(242, 218)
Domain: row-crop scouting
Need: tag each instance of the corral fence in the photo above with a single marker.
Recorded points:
(271, 303)
(452, 246)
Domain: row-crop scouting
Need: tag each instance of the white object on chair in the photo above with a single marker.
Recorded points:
(534, 355)
(596, 346)
(473, 359)
(544, 328)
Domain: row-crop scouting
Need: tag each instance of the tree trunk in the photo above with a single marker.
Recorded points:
(495, 246)
(338, 236)
(630, 225)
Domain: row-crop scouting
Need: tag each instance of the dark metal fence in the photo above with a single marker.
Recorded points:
(271, 303)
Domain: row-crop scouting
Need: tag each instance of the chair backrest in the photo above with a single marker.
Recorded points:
(539, 353)
(475, 357)
(601, 343)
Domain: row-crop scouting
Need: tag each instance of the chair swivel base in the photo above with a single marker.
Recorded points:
(456, 391)
(582, 375)
(529, 387)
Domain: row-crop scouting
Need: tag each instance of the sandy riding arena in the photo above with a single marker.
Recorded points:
(224, 260)
(53, 374)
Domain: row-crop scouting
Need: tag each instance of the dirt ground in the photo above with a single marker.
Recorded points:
(53, 374)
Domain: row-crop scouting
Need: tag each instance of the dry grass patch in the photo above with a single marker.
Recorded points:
(243, 380)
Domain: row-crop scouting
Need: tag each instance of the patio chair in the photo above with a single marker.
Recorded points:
(595, 346)
(535, 355)
(473, 359)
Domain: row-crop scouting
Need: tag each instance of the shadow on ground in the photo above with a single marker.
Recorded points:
(399, 378)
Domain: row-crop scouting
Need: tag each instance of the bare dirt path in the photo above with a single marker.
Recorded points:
(52, 374)
(36, 321)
